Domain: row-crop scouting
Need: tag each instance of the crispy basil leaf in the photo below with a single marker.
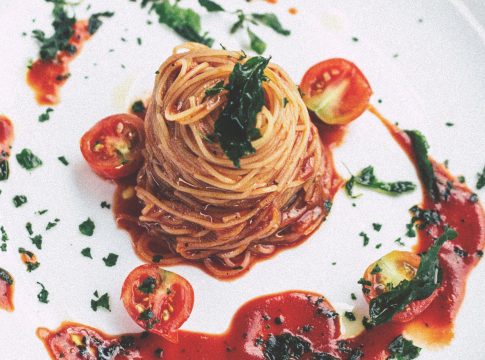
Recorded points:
(235, 127)
(428, 277)
(211, 6)
(426, 172)
(271, 21)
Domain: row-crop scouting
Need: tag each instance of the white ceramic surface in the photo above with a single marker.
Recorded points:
(438, 76)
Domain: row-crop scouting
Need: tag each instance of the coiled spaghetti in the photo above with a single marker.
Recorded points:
(197, 204)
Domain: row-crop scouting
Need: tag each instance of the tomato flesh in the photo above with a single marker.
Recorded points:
(336, 91)
(158, 300)
(113, 146)
(395, 267)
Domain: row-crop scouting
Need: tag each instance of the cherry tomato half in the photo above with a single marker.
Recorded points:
(336, 90)
(113, 146)
(158, 300)
(392, 269)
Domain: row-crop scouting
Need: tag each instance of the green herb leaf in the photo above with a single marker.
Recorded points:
(481, 179)
(216, 89)
(367, 178)
(427, 279)
(110, 260)
(37, 241)
(63, 31)
(402, 349)
(271, 20)
(43, 294)
(365, 238)
(45, 115)
(86, 252)
(138, 107)
(184, 22)
(51, 224)
(350, 315)
(211, 6)
(19, 200)
(95, 21)
(377, 227)
(28, 160)
(28, 226)
(87, 227)
(238, 24)
(148, 285)
(105, 205)
(258, 45)
(63, 160)
(101, 301)
(235, 128)
(31, 264)
(425, 169)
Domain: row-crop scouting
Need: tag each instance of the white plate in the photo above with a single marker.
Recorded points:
(438, 76)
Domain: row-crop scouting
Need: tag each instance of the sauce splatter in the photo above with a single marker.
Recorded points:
(6, 290)
(274, 325)
(46, 77)
(293, 11)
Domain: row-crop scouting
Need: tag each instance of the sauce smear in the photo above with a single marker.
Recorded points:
(46, 77)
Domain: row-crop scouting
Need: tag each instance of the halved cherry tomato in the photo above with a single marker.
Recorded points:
(392, 269)
(336, 90)
(113, 146)
(6, 290)
(158, 300)
(6, 136)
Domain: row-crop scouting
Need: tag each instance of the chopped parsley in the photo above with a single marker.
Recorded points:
(110, 260)
(63, 160)
(43, 294)
(376, 270)
(427, 279)
(157, 258)
(399, 242)
(148, 285)
(28, 160)
(402, 349)
(350, 315)
(100, 301)
(365, 238)
(37, 241)
(105, 205)
(236, 126)
(353, 296)
(28, 226)
(257, 44)
(51, 224)
(3, 238)
(87, 227)
(19, 200)
(367, 178)
(41, 212)
(460, 252)
(63, 31)
(147, 316)
(86, 252)
(45, 116)
(377, 227)
(138, 107)
(95, 22)
(449, 124)
(481, 179)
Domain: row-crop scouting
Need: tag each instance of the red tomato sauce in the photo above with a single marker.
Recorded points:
(6, 290)
(306, 318)
(46, 77)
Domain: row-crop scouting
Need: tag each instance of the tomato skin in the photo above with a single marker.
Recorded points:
(397, 266)
(170, 300)
(336, 90)
(113, 146)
